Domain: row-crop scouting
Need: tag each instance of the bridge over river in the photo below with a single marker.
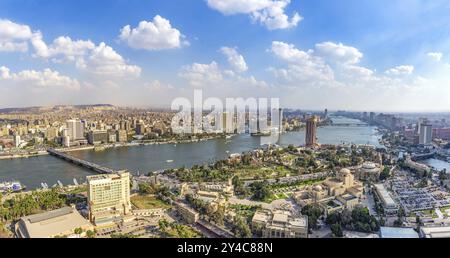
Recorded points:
(83, 163)
(349, 124)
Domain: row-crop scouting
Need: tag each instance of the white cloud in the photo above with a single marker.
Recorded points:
(201, 74)
(155, 35)
(436, 56)
(62, 47)
(103, 60)
(339, 53)
(401, 70)
(235, 59)
(98, 60)
(270, 13)
(302, 66)
(40, 79)
(13, 36)
(157, 86)
(13, 46)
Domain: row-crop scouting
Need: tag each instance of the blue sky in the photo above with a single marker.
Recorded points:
(396, 50)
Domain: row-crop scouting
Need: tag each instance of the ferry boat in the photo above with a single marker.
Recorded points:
(14, 186)
(169, 161)
(264, 133)
(99, 148)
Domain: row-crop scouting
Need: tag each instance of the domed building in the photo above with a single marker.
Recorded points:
(343, 190)
(369, 171)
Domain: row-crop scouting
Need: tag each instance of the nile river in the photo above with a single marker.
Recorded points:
(143, 159)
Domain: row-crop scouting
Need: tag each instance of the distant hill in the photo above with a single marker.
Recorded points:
(40, 109)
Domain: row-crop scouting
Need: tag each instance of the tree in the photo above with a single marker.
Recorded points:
(78, 231)
(336, 229)
(90, 234)
(163, 225)
(260, 191)
(313, 212)
(241, 228)
(385, 174)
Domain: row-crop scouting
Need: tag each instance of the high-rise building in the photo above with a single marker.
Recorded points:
(425, 134)
(112, 136)
(140, 128)
(372, 117)
(280, 121)
(17, 141)
(419, 124)
(228, 123)
(311, 132)
(122, 136)
(51, 133)
(75, 129)
(108, 197)
(97, 137)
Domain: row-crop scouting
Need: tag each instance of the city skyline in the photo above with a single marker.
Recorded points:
(311, 55)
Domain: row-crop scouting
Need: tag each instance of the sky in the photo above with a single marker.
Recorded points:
(362, 55)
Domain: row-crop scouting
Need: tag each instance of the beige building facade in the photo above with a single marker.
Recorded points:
(108, 198)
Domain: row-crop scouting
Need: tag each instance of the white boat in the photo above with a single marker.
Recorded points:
(13, 186)
(169, 161)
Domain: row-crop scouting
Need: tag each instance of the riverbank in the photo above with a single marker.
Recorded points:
(105, 147)
(23, 156)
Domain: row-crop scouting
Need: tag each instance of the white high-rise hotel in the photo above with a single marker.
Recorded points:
(75, 129)
(108, 197)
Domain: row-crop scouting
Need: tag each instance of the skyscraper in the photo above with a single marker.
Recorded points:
(108, 197)
(425, 134)
(17, 141)
(419, 124)
(75, 129)
(311, 132)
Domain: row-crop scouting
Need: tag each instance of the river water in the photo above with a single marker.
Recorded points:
(437, 164)
(143, 159)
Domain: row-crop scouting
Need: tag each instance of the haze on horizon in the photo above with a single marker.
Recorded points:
(389, 55)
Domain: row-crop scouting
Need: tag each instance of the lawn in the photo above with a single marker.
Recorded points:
(182, 231)
(144, 202)
(252, 172)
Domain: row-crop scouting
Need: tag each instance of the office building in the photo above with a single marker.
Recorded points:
(425, 134)
(311, 132)
(389, 205)
(140, 128)
(108, 198)
(17, 141)
(97, 137)
(112, 136)
(122, 136)
(75, 129)
(189, 215)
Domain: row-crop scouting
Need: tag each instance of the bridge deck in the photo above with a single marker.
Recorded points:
(80, 162)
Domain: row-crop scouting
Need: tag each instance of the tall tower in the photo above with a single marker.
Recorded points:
(311, 132)
(75, 129)
(426, 134)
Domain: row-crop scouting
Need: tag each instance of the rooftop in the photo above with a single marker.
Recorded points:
(52, 223)
(388, 232)
(436, 232)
